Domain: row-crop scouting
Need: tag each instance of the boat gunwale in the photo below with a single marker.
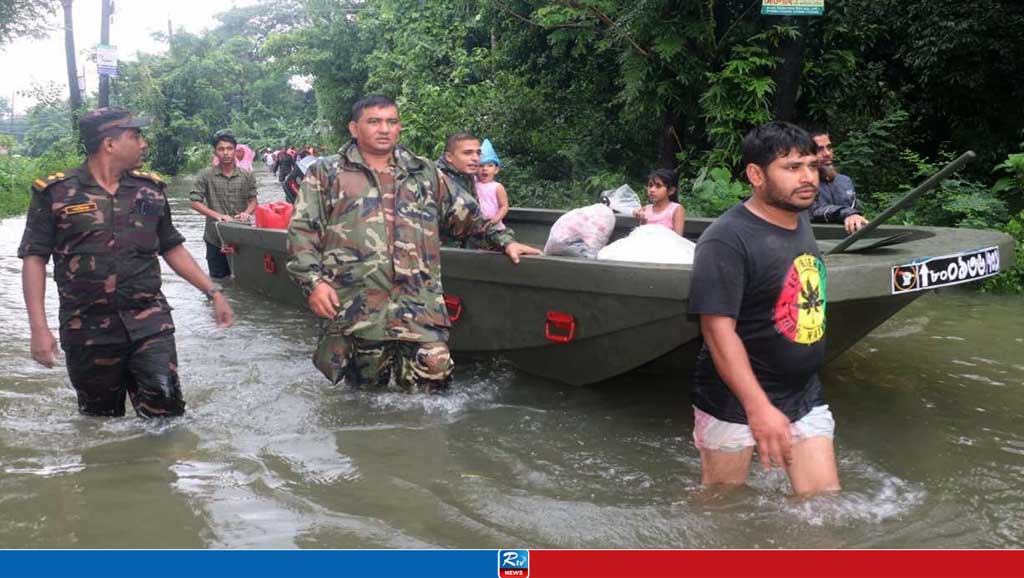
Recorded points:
(851, 275)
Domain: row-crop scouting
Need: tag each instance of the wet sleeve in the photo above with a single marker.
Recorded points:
(461, 218)
(199, 190)
(719, 275)
(40, 228)
(166, 232)
(306, 230)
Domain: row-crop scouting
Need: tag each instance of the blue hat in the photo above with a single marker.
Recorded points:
(487, 154)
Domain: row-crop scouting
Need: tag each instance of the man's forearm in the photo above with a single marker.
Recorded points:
(33, 286)
(204, 210)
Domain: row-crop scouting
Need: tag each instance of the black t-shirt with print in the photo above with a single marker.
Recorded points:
(772, 281)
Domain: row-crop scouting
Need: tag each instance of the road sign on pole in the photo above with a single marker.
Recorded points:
(793, 7)
(106, 60)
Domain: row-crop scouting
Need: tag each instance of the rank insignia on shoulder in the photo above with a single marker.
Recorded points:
(79, 208)
(43, 182)
(149, 176)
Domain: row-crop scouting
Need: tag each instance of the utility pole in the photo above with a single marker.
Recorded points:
(69, 48)
(104, 97)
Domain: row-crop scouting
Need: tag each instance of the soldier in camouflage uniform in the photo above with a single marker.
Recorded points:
(458, 167)
(104, 223)
(460, 162)
(364, 244)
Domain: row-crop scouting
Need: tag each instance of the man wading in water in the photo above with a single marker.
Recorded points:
(364, 244)
(104, 223)
(759, 287)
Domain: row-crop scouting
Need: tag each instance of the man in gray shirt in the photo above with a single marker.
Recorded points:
(836, 201)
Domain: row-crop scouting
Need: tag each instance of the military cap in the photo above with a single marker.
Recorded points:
(95, 124)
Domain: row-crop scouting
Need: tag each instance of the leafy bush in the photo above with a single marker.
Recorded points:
(1011, 186)
(18, 172)
(875, 156)
(196, 158)
(1011, 280)
(739, 96)
(713, 192)
(551, 195)
(957, 202)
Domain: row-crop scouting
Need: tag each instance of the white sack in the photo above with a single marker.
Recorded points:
(650, 244)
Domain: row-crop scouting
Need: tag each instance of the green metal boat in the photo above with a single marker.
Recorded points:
(582, 321)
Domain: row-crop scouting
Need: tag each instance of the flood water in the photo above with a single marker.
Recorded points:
(929, 434)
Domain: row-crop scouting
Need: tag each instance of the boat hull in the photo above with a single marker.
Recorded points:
(622, 316)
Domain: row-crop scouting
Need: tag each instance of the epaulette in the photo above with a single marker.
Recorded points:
(149, 176)
(42, 183)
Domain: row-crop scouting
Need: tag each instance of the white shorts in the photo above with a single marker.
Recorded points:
(710, 433)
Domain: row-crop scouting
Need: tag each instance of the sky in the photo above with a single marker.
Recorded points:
(25, 61)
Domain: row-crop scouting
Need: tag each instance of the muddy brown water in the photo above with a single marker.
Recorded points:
(930, 439)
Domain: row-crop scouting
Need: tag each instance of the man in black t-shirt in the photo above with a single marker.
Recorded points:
(759, 287)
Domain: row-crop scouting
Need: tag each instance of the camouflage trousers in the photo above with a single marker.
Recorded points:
(146, 371)
(360, 362)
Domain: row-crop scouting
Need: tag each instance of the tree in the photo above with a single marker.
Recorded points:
(72, 66)
(221, 79)
(25, 18)
(331, 49)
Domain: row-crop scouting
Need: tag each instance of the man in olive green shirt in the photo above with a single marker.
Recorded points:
(223, 193)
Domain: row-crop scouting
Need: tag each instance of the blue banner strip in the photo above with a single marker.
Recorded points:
(248, 563)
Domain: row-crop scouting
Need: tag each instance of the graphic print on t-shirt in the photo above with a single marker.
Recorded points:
(800, 309)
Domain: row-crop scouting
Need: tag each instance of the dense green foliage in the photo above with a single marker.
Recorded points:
(573, 91)
(49, 146)
(580, 96)
(1012, 278)
(17, 173)
(219, 80)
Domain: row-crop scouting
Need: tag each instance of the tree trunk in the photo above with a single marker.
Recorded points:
(668, 141)
(104, 96)
(787, 76)
(69, 48)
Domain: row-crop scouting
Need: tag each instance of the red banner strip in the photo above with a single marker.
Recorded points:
(776, 563)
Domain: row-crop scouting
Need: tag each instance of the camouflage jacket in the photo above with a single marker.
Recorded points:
(460, 182)
(104, 251)
(465, 184)
(388, 278)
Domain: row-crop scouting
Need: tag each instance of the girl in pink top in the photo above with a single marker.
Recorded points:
(490, 194)
(663, 191)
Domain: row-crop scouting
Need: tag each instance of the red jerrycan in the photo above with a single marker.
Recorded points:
(274, 215)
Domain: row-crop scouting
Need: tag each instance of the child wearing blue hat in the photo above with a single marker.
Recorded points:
(490, 194)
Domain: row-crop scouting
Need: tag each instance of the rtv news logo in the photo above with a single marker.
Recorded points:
(513, 563)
